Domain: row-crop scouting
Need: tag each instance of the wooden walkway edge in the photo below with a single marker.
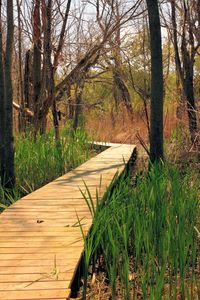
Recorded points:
(40, 249)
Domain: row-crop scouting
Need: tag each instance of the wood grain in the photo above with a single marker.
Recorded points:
(40, 242)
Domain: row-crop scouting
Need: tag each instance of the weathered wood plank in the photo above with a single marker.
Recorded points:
(33, 250)
(43, 270)
(36, 277)
(40, 245)
(31, 285)
(39, 262)
(37, 294)
(73, 252)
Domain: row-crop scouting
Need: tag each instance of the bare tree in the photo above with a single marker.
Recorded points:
(90, 57)
(120, 91)
(156, 118)
(42, 63)
(2, 110)
(7, 149)
(138, 61)
(185, 57)
(20, 67)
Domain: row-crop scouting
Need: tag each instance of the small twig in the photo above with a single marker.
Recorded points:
(198, 232)
(54, 273)
(142, 143)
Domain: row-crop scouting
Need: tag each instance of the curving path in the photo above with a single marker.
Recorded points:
(40, 249)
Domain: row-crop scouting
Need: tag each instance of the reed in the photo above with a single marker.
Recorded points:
(39, 162)
(150, 231)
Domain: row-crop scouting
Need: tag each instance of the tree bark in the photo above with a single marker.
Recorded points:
(120, 91)
(22, 117)
(69, 104)
(9, 176)
(156, 118)
(185, 67)
(47, 80)
(2, 109)
(78, 101)
(62, 35)
(37, 60)
(26, 80)
(188, 57)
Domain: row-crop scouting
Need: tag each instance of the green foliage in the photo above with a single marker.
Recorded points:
(149, 231)
(39, 162)
(99, 91)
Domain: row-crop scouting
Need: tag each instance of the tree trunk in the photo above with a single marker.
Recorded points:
(69, 104)
(36, 61)
(22, 117)
(78, 101)
(55, 121)
(9, 176)
(179, 71)
(48, 85)
(120, 91)
(185, 68)
(191, 107)
(156, 118)
(2, 109)
(188, 57)
(62, 35)
(26, 80)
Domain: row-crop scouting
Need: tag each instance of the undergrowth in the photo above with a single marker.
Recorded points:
(39, 162)
(146, 238)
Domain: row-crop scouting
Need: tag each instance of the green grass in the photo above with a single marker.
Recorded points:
(39, 162)
(150, 231)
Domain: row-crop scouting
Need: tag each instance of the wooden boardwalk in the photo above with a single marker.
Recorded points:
(39, 249)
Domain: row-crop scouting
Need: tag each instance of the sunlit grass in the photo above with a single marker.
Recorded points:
(150, 231)
(39, 162)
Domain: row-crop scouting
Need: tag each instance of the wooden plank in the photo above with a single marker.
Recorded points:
(34, 285)
(39, 262)
(36, 277)
(37, 236)
(32, 213)
(38, 294)
(69, 253)
(40, 245)
(43, 270)
(24, 239)
(49, 209)
(40, 229)
(43, 243)
(47, 215)
(64, 208)
(49, 204)
(70, 221)
(34, 219)
(53, 195)
(32, 250)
